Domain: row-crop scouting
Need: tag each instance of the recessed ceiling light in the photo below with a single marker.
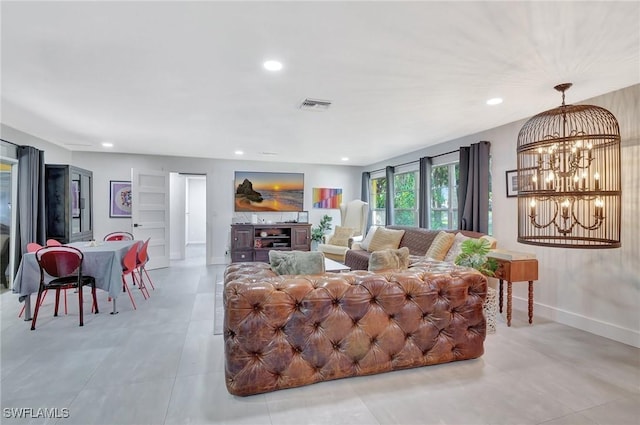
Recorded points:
(107, 145)
(494, 101)
(239, 153)
(272, 65)
(344, 158)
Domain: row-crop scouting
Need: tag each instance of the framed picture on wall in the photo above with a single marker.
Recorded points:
(120, 199)
(303, 216)
(512, 183)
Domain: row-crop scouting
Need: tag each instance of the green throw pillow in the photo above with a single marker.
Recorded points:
(296, 262)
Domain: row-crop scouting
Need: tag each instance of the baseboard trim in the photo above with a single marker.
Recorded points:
(218, 260)
(588, 324)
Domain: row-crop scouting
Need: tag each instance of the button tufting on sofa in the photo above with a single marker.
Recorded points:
(287, 331)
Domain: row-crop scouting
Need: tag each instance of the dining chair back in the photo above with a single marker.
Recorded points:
(53, 242)
(64, 264)
(33, 246)
(119, 236)
(142, 259)
(128, 268)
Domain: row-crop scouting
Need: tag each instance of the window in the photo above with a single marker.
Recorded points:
(444, 196)
(377, 201)
(405, 201)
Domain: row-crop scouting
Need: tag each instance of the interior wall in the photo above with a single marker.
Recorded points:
(53, 154)
(597, 290)
(220, 189)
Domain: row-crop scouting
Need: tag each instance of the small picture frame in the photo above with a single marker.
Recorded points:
(303, 216)
(120, 199)
(512, 183)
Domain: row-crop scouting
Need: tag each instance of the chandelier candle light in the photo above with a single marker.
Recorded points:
(569, 183)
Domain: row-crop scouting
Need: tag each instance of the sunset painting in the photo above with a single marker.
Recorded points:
(260, 191)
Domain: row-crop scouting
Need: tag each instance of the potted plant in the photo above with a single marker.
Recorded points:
(318, 232)
(473, 253)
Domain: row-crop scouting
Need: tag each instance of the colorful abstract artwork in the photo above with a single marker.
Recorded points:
(326, 197)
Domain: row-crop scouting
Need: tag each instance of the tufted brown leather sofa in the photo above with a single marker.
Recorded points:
(417, 239)
(287, 331)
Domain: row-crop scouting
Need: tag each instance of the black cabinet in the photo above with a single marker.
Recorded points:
(69, 203)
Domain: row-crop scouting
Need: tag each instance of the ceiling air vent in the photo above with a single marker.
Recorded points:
(315, 105)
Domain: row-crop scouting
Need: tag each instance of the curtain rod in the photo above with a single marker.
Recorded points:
(417, 160)
(14, 144)
(446, 153)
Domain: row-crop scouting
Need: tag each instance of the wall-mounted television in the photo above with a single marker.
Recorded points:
(257, 191)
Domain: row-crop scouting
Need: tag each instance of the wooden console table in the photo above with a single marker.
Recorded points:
(516, 270)
(252, 242)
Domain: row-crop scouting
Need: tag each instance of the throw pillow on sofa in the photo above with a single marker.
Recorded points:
(440, 246)
(367, 240)
(385, 238)
(296, 262)
(341, 236)
(389, 259)
(456, 248)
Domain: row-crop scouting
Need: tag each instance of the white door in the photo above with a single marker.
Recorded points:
(150, 213)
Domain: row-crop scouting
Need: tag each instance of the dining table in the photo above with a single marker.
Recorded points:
(102, 260)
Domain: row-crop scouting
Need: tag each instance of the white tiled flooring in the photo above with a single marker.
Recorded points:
(162, 364)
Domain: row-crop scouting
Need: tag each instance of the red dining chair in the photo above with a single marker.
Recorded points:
(142, 259)
(33, 247)
(64, 264)
(118, 236)
(129, 268)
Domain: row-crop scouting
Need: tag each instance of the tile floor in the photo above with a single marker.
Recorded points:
(162, 364)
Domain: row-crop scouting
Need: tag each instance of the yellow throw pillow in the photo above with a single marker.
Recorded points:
(456, 248)
(389, 259)
(385, 239)
(493, 242)
(440, 246)
(341, 236)
(367, 240)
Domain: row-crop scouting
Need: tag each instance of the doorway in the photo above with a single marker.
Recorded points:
(188, 217)
(8, 200)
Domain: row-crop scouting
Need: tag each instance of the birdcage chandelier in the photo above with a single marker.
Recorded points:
(569, 184)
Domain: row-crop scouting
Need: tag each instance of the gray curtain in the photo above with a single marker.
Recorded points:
(424, 212)
(391, 192)
(365, 194)
(473, 190)
(31, 211)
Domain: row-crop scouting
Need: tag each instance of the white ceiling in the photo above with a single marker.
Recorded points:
(186, 78)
